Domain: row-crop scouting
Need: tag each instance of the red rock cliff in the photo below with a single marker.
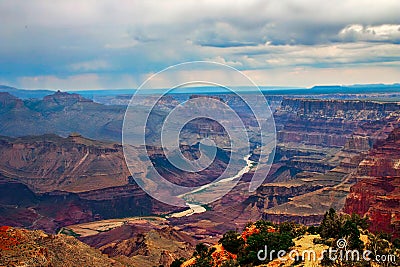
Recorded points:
(377, 191)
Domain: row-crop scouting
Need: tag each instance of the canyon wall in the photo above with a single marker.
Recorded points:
(376, 193)
(326, 122)
(74, 164)
(321, 146)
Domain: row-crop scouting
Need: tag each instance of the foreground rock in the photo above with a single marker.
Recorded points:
(20, 247)
(138, 242)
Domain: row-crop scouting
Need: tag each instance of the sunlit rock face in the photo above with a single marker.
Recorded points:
(377, 191)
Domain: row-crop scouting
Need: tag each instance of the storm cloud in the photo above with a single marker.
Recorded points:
(105, 44)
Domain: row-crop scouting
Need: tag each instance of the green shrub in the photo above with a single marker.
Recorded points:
(232, 242)
(312, 230)
(178, 262)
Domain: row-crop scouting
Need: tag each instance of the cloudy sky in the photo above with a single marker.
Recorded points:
(77, 44)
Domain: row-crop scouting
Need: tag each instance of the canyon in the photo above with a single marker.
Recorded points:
(58, 174)
(307, 177)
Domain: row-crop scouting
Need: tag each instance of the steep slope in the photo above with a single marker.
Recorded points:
(377, 191)
(311, 131)
(19, 247)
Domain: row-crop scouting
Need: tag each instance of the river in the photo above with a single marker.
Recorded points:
(195, 208)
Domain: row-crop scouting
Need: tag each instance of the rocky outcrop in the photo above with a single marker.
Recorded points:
(377, 191)
(346, 109)
(274, 194)
(64, 98)
(143, 243)
(20, 247)
(77, 164)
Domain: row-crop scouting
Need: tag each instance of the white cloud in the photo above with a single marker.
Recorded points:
(220, 59)
(323, 55)
(384, 32)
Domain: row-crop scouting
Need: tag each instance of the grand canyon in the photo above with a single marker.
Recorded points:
(64, 180)
(170, 133)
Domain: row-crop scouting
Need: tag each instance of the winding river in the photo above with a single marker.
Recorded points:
(195, 208)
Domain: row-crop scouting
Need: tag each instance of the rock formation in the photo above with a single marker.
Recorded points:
(377, 191)
(19, 247)
(144, 243)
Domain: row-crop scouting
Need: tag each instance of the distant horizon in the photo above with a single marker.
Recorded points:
(244, 88)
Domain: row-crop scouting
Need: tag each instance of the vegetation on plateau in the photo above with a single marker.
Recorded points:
(241, 249)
